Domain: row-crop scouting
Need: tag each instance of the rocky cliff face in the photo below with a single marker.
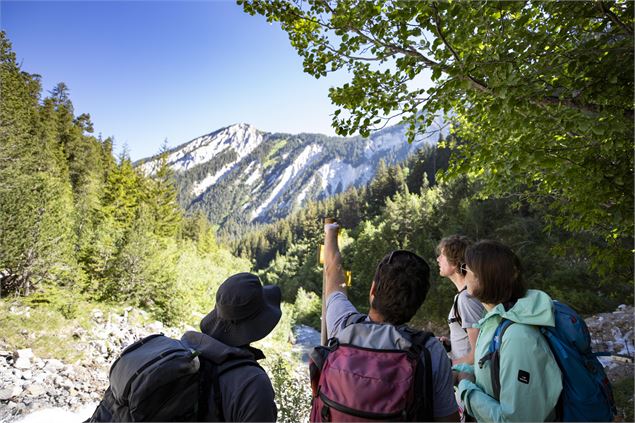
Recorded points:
(240, 175)
(29, 383)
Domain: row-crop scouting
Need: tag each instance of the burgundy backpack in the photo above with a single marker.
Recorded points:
(372, 372)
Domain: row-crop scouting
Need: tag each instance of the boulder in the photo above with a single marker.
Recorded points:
(9, 392)
(22, 363)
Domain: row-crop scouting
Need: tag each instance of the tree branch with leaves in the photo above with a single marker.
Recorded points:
(523, 84)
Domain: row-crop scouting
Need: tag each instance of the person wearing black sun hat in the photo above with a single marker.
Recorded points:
(245, 312)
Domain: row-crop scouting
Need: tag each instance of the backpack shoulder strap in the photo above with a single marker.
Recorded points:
(428, 386)
(213, 373)
(424, 385)
(354, 318)
(493, 355)
(457, 315)
(207, 378)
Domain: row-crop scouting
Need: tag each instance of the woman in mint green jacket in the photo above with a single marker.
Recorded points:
(530, 379)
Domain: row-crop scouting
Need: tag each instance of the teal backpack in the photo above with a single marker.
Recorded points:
(586, 391)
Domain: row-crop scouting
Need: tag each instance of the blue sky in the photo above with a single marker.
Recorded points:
(147, 71)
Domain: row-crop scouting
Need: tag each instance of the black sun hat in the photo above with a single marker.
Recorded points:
(245, 311)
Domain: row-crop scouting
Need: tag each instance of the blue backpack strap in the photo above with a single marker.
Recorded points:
(493, 355)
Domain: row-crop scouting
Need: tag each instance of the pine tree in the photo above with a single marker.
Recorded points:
(161, 196)
(36, 209)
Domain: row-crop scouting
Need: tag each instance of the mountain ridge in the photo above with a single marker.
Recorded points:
(241, 175)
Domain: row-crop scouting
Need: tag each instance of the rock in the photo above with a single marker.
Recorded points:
(22, 363)
(79, 333)
(67, 383)
(10, 392)
(155, 327)
(53, 365)
(24, 353)
(97, 315)
(36, 389)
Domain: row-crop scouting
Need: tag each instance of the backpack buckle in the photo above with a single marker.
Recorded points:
(333, 343)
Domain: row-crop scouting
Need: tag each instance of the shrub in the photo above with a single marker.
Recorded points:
(308, 308)
(293, 391)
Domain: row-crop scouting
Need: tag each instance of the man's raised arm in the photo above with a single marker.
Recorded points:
(333, 270)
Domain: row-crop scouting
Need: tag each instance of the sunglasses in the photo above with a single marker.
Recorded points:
(464, 269)
(393, 254)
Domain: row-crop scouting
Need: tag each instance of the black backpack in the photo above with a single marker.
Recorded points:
(162, 379)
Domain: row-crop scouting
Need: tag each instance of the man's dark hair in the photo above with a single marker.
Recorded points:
(402, 281)
(453, 247)
(498, 270)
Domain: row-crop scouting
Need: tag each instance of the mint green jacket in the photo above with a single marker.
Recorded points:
(529, 375)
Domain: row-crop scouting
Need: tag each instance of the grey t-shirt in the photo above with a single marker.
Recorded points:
(338, 308)
(471, 311)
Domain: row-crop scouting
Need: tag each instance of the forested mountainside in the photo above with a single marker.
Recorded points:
(240, 176)
(405, 207)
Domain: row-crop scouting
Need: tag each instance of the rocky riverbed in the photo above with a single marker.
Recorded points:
(31, 384)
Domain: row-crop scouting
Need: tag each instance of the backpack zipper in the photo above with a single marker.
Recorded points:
(399, 415)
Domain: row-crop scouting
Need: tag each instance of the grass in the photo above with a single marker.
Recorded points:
(43, 329)
(47, 329)
(268, 161)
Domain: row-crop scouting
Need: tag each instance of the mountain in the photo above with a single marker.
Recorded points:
(240, 175)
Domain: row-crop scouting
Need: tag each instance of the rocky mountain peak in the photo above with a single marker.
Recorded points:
(241, 175)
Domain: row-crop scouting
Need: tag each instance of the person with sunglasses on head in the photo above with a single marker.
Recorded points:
(530, 380)
(466, 310)
(398, 289)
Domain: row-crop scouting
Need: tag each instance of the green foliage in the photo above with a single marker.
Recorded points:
(308, 308)
(288, 375)
(198, 277)
(417, 220)
(36, 238)
(43, 325)
(198, 229)
(161, 197)
(75, 222)
(294, 271)
(541, 93)
(65, 301)
(293, 395)
(623, 394)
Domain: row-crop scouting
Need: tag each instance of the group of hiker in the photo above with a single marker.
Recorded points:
(374, 367)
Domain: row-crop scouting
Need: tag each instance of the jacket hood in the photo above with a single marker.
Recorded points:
(535, 308)
(214, 350)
